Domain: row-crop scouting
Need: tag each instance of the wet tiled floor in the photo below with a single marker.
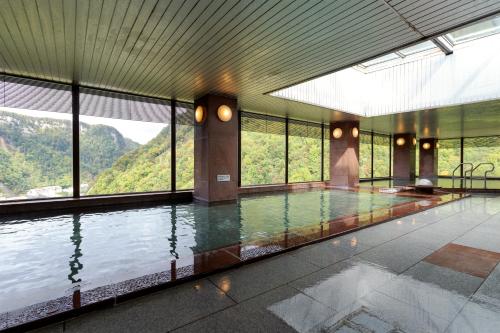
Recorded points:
(435, 271)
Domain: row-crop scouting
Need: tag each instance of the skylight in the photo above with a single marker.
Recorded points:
(482, 29)
(376, 61)
(425, 46)
(418, 77)
(401, 54)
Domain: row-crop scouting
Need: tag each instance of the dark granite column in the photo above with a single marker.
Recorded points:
(404, 159)
(344, 153)
(428, 167)
(216, 151)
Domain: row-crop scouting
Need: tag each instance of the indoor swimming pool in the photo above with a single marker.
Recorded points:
(45, 258)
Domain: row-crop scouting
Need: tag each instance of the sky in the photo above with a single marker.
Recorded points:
(138, 131)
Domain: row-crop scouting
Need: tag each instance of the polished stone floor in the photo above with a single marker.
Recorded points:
(435, 271)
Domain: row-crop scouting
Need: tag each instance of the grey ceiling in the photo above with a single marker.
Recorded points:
(183, 49)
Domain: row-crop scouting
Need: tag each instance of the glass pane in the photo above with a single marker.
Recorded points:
(304, 152)
(262, 150)
(36, 151)
(387, 57)
(482, 29)
(365, 155)
(326, 157)
(184, 152)
(418, 48)
(124, 143)
(483, 150)
(448, 156)
(381, 155)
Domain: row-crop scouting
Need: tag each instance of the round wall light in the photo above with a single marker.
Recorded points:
(426, 146)
(400, 141)
(414, 141)
(355, 132)
(337, 133)
(224, 113)
(199, 114)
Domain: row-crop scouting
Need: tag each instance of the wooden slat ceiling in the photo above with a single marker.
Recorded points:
(184, 49)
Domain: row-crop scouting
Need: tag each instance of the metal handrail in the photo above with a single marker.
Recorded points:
(465, 174)
(485, 173)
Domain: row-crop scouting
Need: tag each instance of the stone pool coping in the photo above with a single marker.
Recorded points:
(206, 263)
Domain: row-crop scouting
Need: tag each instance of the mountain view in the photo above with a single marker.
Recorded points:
(36, 158)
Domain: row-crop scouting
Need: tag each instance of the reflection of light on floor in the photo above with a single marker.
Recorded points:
(354, 242)
(301, 312)
(225, 285)
(399, 222)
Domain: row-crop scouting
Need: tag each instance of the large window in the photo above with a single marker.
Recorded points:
(381, 156)
(304, 151)
(483, 150)
(184, 141)
(263, 142)
(365, 155)
(448, 156)
(35, 139)
(124, 143)
(326, 155)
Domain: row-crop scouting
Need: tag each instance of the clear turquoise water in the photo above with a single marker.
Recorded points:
(46, 257)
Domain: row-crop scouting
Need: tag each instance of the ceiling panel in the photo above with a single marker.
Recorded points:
(184, 49)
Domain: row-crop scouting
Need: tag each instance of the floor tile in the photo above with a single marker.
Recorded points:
(159, 312)
(396, 255)
(280, 310)
(254, 279)
(465, 259)
(427, 217)
(361, 321)
(332, 251)
(428, 297)
(490, 227)
(481, 240)
(376, 235)
(451, 228)
(427, 239)
(448, 279)
(476, 318)
(401, 316)
(340, 285)
(490, 289)
(58, 328)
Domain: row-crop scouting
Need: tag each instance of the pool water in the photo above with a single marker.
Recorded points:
(44, 258)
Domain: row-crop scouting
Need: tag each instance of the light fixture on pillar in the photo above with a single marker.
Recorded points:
(337, 133)
(400, 141)
(224, 113)
(199, 114)
(355, 132)
(414, 141)
(437, 145)
(426, 146)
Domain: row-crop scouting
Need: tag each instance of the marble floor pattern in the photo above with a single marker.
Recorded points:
(435, 271)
